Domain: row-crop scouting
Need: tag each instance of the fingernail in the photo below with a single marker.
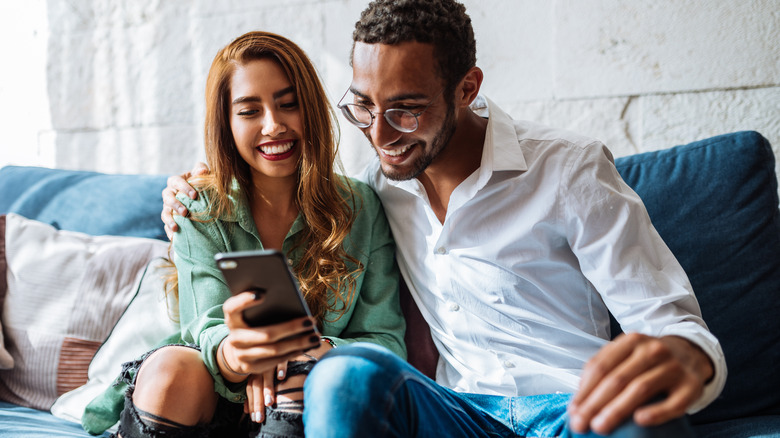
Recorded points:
(257, 417)
(269, 401)
(307, 323)
(598, 421)
(192, 194)
(181, 211)
(280, 374)
(314, 339)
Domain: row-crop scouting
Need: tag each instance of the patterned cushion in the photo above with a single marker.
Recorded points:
(65, 292)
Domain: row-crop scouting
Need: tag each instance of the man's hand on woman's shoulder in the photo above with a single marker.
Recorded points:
(171, 205)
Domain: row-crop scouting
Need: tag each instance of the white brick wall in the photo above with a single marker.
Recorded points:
(117, 86)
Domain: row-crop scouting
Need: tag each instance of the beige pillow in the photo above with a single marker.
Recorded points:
(145, 323)
(66, 290)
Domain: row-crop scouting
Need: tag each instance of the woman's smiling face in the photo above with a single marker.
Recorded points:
(265, 119)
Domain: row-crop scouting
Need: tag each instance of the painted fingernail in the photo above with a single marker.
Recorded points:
(307, 323)
(314, 339)
(269, 401)
(280, 374)
(257, 417)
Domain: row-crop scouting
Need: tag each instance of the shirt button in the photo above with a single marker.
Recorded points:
(441, 250)
(454, 307)
(508, 364)
(290, 262)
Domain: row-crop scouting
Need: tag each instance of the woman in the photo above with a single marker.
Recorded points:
(270, 146)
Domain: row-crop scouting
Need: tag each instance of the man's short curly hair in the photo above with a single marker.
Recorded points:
(443, 23)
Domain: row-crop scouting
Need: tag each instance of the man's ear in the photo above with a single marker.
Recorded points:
(468, 88)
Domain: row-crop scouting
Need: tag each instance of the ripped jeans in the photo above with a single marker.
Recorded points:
(229, 419)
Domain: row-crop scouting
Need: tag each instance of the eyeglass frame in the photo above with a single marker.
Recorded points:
(344, 109)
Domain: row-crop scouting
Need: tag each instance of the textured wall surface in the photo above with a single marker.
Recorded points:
(117, 86)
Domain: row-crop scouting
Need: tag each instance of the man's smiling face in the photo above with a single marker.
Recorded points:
(403, 76)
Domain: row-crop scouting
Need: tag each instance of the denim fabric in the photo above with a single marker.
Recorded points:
(364, 390)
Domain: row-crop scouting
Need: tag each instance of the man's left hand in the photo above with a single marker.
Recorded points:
(620, 380)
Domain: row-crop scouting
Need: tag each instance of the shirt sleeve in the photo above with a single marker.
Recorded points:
(624, 257)
(376, 316)
(202, 289)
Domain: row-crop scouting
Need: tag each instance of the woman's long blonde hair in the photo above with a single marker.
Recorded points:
(327, 215)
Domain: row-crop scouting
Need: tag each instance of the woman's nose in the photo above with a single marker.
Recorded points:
(273, 124)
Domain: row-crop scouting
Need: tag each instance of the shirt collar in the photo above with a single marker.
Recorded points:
(501, 150)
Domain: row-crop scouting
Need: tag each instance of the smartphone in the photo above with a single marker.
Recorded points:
(266, 273)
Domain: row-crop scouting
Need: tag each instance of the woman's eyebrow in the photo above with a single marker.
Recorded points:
(243, 99)
(284, 91)
(276, 95)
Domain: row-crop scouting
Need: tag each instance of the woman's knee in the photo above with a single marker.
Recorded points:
(175, 376)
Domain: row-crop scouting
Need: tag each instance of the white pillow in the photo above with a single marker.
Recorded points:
(145, 323)
(65, 292)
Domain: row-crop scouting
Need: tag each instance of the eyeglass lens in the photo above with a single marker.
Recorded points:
(402, 120)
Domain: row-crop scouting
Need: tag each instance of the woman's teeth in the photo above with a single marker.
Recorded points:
(276, 149)
(396, 152)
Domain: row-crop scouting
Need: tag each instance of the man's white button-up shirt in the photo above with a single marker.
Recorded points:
(538, 245)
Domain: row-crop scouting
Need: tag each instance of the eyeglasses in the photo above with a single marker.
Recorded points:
(400, 119)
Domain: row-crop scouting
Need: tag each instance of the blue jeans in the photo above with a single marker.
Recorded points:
(364, 390)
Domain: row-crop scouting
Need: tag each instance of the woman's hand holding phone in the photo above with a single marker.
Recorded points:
(258, 350)
(260, 389)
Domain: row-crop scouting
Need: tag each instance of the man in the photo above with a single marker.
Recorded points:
(516, 242)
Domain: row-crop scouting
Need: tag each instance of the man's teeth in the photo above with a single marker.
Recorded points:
(396, 152)
(277, 148)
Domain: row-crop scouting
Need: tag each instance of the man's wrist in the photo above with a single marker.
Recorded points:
(699, 361)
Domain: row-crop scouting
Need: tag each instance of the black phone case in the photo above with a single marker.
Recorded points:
(266, 273)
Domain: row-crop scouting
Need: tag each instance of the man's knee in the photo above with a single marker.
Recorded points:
(336, 374)
(355, 375)
(350, 391)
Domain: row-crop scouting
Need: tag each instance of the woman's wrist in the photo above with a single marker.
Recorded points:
(225, 369)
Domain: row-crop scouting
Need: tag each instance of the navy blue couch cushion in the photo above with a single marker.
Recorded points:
(88, 202)
(715, 204)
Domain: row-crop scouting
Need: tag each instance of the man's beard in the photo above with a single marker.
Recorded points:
(438, 143)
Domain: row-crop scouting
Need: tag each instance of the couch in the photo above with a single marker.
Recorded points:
(715, 202)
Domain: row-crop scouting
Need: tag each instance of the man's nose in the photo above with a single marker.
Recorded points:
(381, 133)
